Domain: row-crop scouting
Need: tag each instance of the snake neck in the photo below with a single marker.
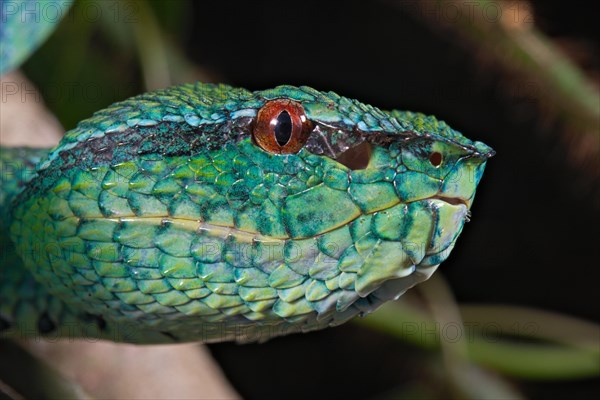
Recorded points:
(18, 289)
(17, 168)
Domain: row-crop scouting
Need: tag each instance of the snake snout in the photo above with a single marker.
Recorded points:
(460, 183)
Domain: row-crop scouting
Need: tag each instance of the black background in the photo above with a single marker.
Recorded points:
(534, 235)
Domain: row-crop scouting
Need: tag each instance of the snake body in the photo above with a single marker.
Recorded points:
(161, 219)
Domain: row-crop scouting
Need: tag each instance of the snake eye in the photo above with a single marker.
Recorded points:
(435, 159)
(281, 127)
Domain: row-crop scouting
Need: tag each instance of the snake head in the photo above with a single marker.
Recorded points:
(201, 205)
(380, 158)
(406, 178)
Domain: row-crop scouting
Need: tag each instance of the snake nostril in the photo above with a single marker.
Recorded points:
(356, 157)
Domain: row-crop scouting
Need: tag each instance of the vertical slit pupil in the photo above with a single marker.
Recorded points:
(435, 159)
(283, 128)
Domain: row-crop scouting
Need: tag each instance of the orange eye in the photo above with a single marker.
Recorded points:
(281, 127)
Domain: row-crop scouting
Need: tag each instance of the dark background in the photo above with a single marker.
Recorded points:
(533, 238)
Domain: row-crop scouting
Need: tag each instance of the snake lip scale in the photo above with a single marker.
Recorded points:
(200, 211)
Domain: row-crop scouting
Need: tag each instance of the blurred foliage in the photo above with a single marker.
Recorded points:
(563, 90)
(107, 51)
(516, 341)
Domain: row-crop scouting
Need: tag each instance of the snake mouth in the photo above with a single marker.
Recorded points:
(455, 201)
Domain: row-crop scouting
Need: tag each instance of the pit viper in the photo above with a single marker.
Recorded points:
(207, 213)
(210, 213)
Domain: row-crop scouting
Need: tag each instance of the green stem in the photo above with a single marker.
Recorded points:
(485, 346)
(504, 32)
(544, 325)
(151, 47)
(543, 362)
(510, 36)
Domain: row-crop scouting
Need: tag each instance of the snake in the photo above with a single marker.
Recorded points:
(208, 213)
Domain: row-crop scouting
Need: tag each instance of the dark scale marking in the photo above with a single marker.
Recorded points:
(169, 139)
(101, 323)
(304, 217)
(98, 319)
(170, 335)
(45, 324)
(4, 324)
